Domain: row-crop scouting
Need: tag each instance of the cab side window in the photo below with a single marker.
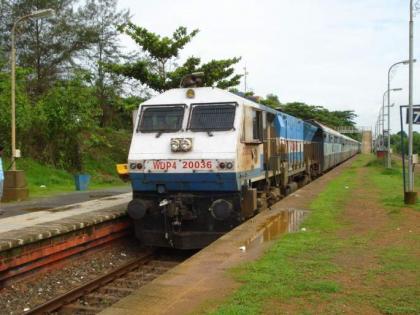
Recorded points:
(257, 125)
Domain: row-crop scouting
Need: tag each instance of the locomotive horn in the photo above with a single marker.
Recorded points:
(192, 80)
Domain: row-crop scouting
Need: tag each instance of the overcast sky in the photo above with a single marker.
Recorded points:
(334, 53)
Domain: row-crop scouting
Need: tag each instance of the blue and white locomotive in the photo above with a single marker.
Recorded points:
(202, 160)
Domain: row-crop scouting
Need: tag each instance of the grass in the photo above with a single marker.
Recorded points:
(390, 183)
(298, 265)
(101, 152)
(44, 180)
(299, 272)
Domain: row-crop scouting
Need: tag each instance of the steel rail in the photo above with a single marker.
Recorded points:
(76, 293)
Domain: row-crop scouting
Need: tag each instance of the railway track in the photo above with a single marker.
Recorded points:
(94, 296)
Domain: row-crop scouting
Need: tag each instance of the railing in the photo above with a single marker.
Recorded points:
(349, 129)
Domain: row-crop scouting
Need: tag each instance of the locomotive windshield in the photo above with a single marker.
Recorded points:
(161, 118)
(212, 117)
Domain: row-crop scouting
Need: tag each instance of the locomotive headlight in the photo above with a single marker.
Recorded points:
(175, 144)
(186, 144)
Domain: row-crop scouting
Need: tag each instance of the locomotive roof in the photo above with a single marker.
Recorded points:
(203, 95)
(217, 95)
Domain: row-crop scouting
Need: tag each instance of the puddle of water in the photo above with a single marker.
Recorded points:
(285, 222)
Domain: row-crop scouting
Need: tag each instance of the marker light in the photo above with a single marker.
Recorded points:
(139, 166)
(222, 165)
(133, 166)
(186, 144)
(190, 93)
(175, 145)
(229, 165)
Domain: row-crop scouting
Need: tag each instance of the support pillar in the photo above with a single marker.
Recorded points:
(15, 186)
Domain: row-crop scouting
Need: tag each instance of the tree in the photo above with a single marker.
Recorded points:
(103, 18)
(62, 119)
(23, 114)
(307, 112)
(160, 53)
(49, 47)
(271, 100)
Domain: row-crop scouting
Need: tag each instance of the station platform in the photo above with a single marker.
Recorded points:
(33, 240)
(203, 279)
(26, 228)
(59, 200)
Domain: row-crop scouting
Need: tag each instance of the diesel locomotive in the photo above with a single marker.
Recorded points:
(202, 160)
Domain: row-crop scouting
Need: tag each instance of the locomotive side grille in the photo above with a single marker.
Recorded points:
(212, 117)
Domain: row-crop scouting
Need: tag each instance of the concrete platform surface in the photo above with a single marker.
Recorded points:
(31, 227)
(60, 200)
(202, 280)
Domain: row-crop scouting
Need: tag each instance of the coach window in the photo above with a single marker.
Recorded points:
(257, 125)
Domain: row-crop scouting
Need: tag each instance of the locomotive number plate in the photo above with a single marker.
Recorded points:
(179, 165)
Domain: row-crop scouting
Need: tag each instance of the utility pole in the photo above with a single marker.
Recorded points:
(387, 92)
(18, 189)
(411, 195)
(405, 62)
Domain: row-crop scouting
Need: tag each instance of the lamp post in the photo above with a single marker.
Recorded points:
(35, 15)
(410, 195)
(405, 62)
(388, 92)
(380, 130)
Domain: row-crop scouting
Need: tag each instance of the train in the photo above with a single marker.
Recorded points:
(202, 160)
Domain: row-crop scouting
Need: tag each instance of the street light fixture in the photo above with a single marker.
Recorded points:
(17, 188)
(35, 15)
(40, 14)
(405, 62)
(387, 92)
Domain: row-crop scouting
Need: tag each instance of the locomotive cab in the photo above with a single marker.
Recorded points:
(183, 167)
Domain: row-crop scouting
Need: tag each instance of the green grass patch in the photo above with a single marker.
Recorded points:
(299, 264)
(101, 152)
(298, 270)
(45, 180)
(390, 183)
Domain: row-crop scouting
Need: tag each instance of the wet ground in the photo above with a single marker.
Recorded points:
(48, 203)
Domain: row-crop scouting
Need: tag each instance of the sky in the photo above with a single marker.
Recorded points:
(333, 53)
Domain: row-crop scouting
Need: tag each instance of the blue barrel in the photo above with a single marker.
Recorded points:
(81, 181)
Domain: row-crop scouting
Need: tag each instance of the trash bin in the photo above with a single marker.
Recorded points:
(81, 181)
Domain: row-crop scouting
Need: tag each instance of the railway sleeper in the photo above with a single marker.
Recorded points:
(152, 268)
(116, 291)
(131, 283)
(164, 263)
(79, 309)
(140, 274)
(97, 299)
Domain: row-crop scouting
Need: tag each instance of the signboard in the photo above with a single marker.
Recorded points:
(416, 115)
